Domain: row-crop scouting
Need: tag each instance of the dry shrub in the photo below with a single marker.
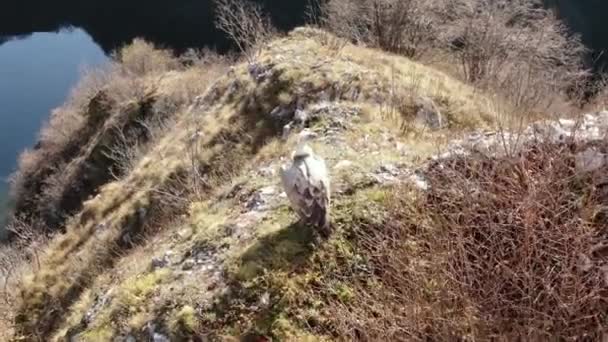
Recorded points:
(596, 94)
(405, 27)
(142, 58)
(510, 248)
(130, 146)
(16, 260)
(245, 24)
(517, 48)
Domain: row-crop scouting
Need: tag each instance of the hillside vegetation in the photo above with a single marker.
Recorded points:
(152, 208)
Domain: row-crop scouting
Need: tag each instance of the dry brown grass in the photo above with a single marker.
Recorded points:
(506, 249)
(16, 260)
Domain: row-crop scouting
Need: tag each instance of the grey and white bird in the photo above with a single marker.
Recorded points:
(306, 183)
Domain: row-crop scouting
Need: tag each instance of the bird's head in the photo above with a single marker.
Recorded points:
(302, 151)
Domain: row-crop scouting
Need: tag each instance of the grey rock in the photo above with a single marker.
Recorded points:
(286, 131)
(264, 300)
(185, 233)
(188, 264)
(281, 113)
(401, 147)
(551, 131)
(590, 160)
(159, 262)
(259, 72)
(156, 337)
(343, 164)
(301, 116)
(99, 303)
(260, 199)
(602, 117)
(389, 169)
(568, 124)
(307, 135)
(584, 263)
(267, 171)
(419, 181)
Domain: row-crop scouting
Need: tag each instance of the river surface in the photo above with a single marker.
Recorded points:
(36, 74)
(45, 45)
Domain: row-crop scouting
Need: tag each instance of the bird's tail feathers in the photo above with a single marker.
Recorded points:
(321, 221)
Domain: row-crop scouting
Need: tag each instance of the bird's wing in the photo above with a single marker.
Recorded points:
(316, 193)
(307, 186)
(294, 181)
(319, 180)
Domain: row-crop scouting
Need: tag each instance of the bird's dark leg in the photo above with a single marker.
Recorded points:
(325, 229)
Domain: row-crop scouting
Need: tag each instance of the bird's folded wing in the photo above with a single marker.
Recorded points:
(307, 187)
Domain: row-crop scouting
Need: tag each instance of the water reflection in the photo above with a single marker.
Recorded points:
(36, 74)
(178, 24)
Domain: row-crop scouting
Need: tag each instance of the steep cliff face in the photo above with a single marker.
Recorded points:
(195, 240)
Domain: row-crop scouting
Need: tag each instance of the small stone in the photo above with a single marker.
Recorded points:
(286, 131)
(159, 262)
(188, 264)
(257, 71)
(389, 169)
(281, 113)
(229, 229)
(419, 181)
(602, 117)
(343, 164)
(185, 233)
(567, 124)
(260, 198)
(590, 160)
(268, 171)
(269, 190)
(264, 300)
(301, 116)
(551, 131)
(307, 135)
(584, 263)
(160, 338)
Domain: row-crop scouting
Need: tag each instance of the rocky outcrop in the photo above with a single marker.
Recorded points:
(589, 129)
(70, 175)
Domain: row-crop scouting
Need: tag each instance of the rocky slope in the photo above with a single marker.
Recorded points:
(197, 240)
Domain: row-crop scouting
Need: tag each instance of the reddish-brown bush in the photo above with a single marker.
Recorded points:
(510, 248)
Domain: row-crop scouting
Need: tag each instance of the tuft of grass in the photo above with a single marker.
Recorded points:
(279, 250)
(184, 322)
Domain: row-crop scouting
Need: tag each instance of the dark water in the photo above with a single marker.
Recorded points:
(588, 18)
(40, 59)
(35, 76)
